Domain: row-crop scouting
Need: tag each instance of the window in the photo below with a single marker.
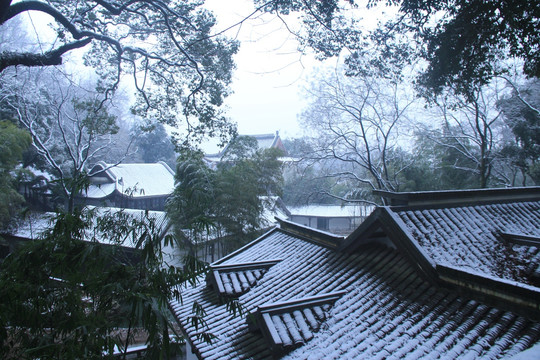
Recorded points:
(322, 223)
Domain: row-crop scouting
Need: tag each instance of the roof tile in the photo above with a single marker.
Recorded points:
(470, 237)
(388, 310)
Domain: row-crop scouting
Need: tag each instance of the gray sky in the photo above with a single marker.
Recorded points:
(270, 70)
(269, 74)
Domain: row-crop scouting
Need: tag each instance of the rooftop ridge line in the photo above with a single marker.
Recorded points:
(315, 300)
(455, 197)
(521, 298)
(245, 265)
(520, 239)
(309, 234)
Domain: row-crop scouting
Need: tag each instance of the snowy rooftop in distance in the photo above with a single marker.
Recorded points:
(331, 210)
(137, 180)
(264, 141)
(36, 223)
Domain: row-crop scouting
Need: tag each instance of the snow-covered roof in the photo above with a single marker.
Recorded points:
(264, 141)
(36, 223)
(136, 180)
(32, 225)
(331, 210)
(490, 231)
(470, 237)
(316, 299)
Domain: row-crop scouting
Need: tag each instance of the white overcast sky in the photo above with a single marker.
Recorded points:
(269, 74)
(270, 70)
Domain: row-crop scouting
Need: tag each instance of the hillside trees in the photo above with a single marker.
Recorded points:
(70, 127)
(521, 115)
(176, 64)
(471, 129)
(154, 143)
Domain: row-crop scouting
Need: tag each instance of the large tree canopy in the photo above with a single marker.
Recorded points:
(460, 39)
(178, 67)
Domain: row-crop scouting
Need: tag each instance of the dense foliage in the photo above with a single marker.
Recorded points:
(154, 144)
(227, 200)
(13, 143)
(462, 41)
(67, 295)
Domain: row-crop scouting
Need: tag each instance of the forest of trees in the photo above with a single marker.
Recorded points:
(443, 95)
(369, 133)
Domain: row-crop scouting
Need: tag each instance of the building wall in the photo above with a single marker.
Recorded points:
(336, 225)
(156, 203)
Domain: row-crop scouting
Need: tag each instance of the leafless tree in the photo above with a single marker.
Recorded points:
(69, 125)
(473, 127)
(357, 123)
(180, 70)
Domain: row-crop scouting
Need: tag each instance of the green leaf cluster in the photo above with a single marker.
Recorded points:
(227, 200)
(13, 143)
(66, 295)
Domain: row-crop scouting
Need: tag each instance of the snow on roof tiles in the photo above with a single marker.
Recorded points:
(472, 237)
(235, 279)
(36, 224)
(387, 311)
(138, 180)
(290, 324)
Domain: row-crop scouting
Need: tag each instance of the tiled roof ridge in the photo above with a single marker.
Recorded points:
(318, 237)
(520, 239)
(445, 198)
(517, 297)
(383, 217)
(320, 299)
(245, 265)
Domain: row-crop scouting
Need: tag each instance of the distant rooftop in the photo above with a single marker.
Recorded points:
(331, 210)
(264, 141)
(135, 180)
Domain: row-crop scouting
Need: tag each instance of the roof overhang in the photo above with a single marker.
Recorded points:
(459, 197)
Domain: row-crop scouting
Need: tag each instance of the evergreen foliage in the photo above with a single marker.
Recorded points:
(227, 201)
(13, 143)
(66, 294)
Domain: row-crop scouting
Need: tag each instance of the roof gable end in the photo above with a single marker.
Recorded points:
(233, 280)
(289, 324)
